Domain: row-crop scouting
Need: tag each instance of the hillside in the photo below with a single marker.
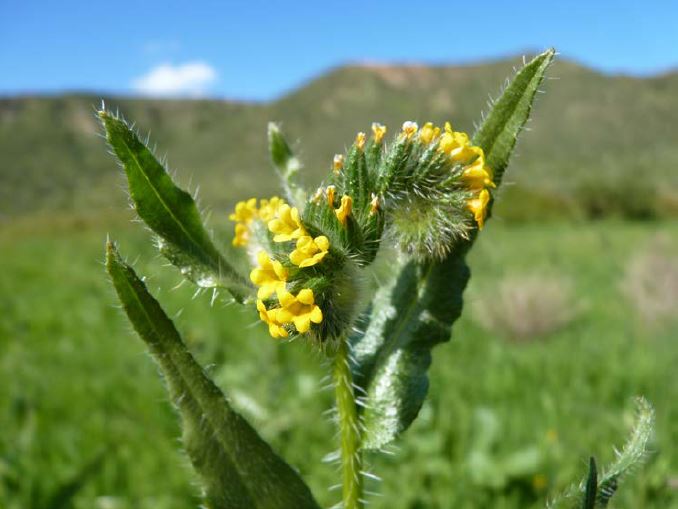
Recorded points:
(597, 143)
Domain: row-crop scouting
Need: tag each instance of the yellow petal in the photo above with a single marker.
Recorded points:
(302, 323)
(305, 296)
(316, 315)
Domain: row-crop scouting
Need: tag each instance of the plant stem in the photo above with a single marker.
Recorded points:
(349, 430)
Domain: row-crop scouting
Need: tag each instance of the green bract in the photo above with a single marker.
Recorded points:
(418, 197)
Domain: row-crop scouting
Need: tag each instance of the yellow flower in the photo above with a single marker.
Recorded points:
(456, 145)
(269, 208)
(286, 225)
(309, 251)
(269, 276)
(360, 141)
(478, 176)
(344, 209)
(337, 163)
(378, 131)
(331, 192)
(409, 129)
(300, 310)
(242, 235)
(275, 328)
(428, 133)
(478, 206)
(245, 211)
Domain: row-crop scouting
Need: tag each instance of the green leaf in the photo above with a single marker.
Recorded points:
(416, 310)
(238, 469)
(498, 133)
(409, 317)
(170, 212)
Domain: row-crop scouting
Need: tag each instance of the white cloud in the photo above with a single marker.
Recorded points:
(189, 79)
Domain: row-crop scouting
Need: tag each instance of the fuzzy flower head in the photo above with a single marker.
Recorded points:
(426, 191)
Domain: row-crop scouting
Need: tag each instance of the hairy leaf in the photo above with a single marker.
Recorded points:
(409, 316)
(417, 309)
(238, 469)
(170, 212)
(498, 133)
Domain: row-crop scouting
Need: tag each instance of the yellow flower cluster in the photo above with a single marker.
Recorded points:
(245, 212)
(476, 175)
(299, 310)
(270, 275)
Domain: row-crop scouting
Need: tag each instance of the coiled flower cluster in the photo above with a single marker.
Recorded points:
(424, 192)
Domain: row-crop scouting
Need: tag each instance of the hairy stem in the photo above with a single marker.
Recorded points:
(349, 430)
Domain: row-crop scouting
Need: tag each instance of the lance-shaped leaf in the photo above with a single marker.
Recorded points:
(170, 212)
(410, 316)
(417, 309)
(499, 132)
(238, 469)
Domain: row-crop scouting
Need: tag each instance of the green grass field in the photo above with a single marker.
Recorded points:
(86, 423)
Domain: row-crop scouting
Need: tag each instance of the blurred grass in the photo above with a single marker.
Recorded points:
(503, 425)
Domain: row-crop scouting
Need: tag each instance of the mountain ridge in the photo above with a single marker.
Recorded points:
(590, 130)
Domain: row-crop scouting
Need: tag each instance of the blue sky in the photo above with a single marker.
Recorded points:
(260, 50)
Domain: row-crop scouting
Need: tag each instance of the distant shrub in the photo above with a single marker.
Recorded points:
(525, 307)
(519, 204)
(626, 197)
(651, 282)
